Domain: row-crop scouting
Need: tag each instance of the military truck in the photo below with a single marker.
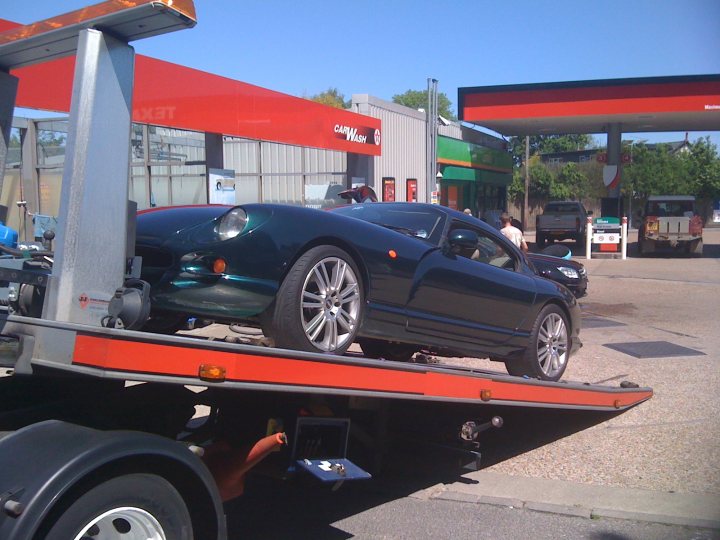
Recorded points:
(670, 223)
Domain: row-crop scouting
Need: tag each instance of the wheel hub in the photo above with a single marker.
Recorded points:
(331, 304)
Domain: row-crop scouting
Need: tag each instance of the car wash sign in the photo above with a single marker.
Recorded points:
(360, 135)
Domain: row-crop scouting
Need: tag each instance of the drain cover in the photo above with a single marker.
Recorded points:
(653, 349)
(599, 322)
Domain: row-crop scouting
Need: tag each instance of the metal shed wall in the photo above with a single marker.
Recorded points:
(272, 172)
(403, 154)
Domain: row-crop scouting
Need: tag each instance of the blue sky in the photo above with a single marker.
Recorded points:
(385, 47)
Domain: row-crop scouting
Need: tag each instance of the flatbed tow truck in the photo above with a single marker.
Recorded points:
(101, 436)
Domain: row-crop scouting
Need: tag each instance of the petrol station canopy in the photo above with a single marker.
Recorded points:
(683, 103)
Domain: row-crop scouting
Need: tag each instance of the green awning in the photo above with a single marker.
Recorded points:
(466, 174)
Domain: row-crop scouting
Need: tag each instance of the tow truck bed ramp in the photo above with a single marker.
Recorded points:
(141, 356)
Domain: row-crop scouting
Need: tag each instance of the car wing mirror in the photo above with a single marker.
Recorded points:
(463, 238)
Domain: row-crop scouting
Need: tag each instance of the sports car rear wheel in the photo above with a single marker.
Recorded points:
(548, 352)
(320, 302)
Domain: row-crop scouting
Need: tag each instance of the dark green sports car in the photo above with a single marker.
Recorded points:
(394, 277)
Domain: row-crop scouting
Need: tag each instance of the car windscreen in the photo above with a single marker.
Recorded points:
(671, 208)
(561, 208)
(414, 221)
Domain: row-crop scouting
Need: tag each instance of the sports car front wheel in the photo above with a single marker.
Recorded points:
(548, 352)
(319, 305)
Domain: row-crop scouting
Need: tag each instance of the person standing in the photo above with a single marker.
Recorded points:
(513, 234)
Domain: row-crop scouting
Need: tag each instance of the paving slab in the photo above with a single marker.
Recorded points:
(584, 500)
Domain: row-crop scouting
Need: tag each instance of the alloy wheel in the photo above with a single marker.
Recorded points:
(330, 304)
(552, 345)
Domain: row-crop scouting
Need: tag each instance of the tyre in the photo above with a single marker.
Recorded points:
(319, 305)
(548, 352)
(540, 241)
(696, 248)
(132, 507)
(580, 240)
(165, 323)
(398, 352)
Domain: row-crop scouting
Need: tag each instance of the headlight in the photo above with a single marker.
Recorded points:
(569, 272)
(232, 223)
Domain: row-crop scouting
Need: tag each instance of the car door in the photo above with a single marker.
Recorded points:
(474, 296)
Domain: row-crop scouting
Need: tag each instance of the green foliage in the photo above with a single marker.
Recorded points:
(568, 183)
(418, 99)
(703, 167)
(516, 189)
(571, 183)
(656, 171)
(333, 98)
(543, 144)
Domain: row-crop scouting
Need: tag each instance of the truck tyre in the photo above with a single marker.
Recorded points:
(132, 507)
(548, 352)
(539, 241)
(696, 248)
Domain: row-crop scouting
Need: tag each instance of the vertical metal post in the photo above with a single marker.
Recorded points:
(623, 237)
(91, 243)
(588, 237)
(8, 91)
(431, 138)
(30, 180)
(525, 212)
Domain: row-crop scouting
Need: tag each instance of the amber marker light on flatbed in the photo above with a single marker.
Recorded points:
(210, 372)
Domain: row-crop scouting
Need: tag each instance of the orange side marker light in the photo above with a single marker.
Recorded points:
(392, 254)
(485, 394)
(219, 266)
(212, 373)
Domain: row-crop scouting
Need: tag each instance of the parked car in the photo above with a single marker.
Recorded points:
(561, 220)
(570, 273)
(395, 277)
(670, 223)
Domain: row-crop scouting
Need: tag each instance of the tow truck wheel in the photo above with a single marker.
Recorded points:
(131, 507)
(319, 305)
(548, 352)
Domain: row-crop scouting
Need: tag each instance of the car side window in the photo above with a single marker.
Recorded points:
(488, 251)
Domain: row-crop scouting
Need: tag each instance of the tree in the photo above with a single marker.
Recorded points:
(570, 183)
(543, 144)
(656, 171)
(418, 99)
(703, 168)
(333, 98)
